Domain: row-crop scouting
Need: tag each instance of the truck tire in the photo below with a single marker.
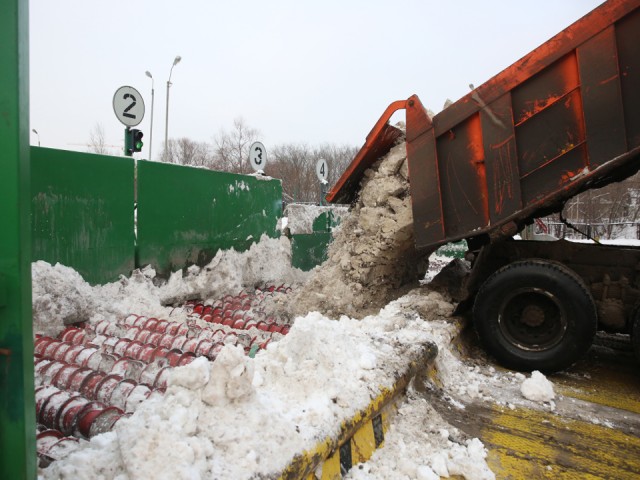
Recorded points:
(535, 315)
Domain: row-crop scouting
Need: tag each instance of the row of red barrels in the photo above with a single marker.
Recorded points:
(65, 417)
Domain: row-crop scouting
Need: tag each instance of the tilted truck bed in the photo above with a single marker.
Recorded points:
(561, 120)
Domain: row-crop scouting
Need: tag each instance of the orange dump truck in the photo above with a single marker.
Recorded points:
(563, 119)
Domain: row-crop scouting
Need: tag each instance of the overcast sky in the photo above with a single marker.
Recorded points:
(298, 71)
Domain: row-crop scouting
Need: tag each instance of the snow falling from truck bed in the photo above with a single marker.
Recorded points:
(372, 256)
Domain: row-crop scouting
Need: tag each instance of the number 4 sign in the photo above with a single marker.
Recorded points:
(128, 106)
(322, 170)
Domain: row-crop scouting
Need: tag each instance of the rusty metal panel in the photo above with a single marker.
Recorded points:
(550, 134)
(545, 88)
(547, 181)
(425, 189)
(503, 177)
(463, 178)
(628, 43)
(601, 98)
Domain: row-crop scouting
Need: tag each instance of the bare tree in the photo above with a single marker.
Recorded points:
(97, 143)
(295, 165)
(231, 151)
(184, 151)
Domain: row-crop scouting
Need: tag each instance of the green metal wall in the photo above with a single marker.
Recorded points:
(82, 212)
(309, 250)
(17, 402)
(185, 215)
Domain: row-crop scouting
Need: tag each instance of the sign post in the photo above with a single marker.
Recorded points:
(128, 105)
(322, 172)
(257, 156)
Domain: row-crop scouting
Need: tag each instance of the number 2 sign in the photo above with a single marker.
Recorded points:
(128, 106)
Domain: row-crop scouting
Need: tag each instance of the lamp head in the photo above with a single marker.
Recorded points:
(177, 60)
(148, 74)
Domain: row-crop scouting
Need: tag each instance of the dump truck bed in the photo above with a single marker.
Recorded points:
(561, 120)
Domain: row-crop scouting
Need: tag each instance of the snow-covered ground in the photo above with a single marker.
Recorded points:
(241, 417)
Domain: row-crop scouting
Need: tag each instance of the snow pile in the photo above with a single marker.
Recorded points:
(421, 445)
(538, 388)
(61, 296)
(240, 417)
(372, 256)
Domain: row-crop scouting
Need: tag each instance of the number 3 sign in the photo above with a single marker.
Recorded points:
(128, 106)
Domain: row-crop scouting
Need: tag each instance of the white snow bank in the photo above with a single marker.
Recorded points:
(61, 296)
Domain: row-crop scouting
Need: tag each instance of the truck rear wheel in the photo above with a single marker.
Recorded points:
(535, 315)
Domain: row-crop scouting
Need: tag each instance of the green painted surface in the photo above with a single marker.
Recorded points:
(17, 401)
(309, 250)
(83, 212)
(185, 214)
(453, 250)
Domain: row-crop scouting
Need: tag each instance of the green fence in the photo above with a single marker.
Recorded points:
(185, 215)
(310, 249)
(82, 212)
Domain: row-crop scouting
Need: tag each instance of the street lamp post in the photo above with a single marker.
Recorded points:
(148, 74)
(166, 124)
(36, 132)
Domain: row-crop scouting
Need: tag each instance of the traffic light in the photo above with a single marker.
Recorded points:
(132, 141)
(136, 136)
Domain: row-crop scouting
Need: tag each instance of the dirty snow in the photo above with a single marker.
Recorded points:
(538, 388)
(271, 405)
(372, 257)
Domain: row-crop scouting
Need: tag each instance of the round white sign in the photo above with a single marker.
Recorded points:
(322, 170)
(128, 106)
(257, 156)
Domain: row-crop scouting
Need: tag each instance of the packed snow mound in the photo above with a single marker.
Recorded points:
(240, 417)
(61, 296)
(372, 256)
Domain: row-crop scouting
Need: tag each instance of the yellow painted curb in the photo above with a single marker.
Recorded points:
(359, 436)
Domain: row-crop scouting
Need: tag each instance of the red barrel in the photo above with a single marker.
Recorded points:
(77, 377)
(161, 326)
(42, 395)
(142, 336)
(131, 319)
(203, 347)
(84, 355)
(90, 383)
(151, 324)
(47, 373)
(186, 358)
(133, 349)
(72, 353)
(105, 388)
(161, 379)
(51, 406)
(63, 376)
(121, 392)
(41, 344)
(45, 439)
(67, 413)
